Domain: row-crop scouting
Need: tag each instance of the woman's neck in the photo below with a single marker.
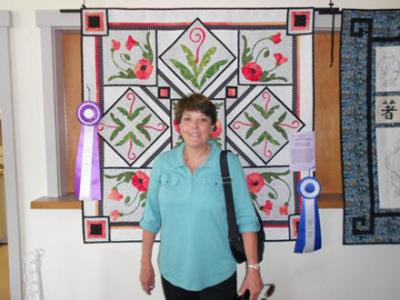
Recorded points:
(195, 156)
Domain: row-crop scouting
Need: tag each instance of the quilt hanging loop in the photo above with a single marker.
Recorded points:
(331, 11)
(332, 31)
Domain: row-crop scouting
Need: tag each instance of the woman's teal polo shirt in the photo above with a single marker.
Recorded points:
(190, 211)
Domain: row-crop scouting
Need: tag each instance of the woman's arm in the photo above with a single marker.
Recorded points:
(151, 223)
(248, 224)
(147, 277)
(252, 281)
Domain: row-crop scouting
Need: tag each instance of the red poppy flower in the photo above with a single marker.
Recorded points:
(283, 209)
(115, 195)
(143, 68)
(252, 71)
(176, 126)
(267, 207)
(130, 43)
(140, 181)
(280, 58)
(276, 38)
(115, 214)
(255, 182)
(217, 131)
(115, 44)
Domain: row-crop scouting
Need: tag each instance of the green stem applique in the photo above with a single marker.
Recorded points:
(130, 203)
(266, 54)
(259, 41)
(123, 58)
(288, 188)
(115, 63)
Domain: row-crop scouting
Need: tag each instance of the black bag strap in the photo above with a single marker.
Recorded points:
(226, 179)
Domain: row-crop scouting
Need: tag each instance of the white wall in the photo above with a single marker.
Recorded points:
(74, 271)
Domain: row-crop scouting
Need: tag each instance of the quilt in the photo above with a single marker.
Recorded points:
(370, 125)
(256, 65)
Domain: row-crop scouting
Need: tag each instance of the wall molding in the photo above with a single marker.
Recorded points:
(52, 25)
(10, 166)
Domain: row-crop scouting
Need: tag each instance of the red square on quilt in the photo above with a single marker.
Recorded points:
(294, 221)
(163, 92)
(300, 21)
(94, 22)
(231, 92)
(96, 229)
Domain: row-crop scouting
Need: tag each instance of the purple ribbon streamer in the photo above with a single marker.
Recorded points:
(95, 174)
(96, 185)
(78, 164)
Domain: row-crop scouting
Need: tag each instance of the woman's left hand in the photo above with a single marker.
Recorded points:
(253, 283)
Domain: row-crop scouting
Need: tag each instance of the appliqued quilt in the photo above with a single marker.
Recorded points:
(256, 65)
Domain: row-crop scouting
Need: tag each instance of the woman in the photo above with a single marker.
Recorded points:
(186, 202)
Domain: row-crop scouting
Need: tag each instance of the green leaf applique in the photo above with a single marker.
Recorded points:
(117, 130)
(212, 70)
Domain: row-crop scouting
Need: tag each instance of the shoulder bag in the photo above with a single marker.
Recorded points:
(235, 238)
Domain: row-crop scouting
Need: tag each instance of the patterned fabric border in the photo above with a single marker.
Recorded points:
(370, 125)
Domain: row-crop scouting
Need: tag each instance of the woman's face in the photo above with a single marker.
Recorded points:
(195, 128)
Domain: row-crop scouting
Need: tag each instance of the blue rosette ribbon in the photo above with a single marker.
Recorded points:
(309, 233)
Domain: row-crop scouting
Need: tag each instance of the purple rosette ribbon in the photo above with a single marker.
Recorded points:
(87, 168)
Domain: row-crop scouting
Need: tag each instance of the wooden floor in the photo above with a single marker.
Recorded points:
(4, 291)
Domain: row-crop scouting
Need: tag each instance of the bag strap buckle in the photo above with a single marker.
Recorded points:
(235, 239)
(226, 180)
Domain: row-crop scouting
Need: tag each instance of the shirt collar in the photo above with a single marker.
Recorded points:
(178, 155)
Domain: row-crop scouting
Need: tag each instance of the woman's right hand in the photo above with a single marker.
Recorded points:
(147, 277)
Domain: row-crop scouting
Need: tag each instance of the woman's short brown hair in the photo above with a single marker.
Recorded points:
(196, 102)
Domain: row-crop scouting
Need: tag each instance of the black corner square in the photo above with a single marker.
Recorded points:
(94, 21)
(96, 229)
(300, 20)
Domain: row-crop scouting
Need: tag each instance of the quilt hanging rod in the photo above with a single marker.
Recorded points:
(74, 10)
